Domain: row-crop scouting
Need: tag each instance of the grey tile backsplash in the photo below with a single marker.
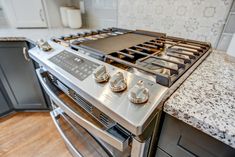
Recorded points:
(233, 8)
(195, 19)
(101, 13)
(230, 27)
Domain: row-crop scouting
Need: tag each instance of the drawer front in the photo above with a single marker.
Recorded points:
(78, 140)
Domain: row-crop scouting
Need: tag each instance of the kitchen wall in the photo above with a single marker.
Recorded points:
(3, 19)
(195, 19)
(229, 31)
(18, 12)
(100, 13)
(52, 11)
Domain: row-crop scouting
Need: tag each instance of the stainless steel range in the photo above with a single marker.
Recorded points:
(107, 87)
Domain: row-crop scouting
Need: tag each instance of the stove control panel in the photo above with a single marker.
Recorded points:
(77, 66)
(118, 82)
(81, 68)
(139, 93)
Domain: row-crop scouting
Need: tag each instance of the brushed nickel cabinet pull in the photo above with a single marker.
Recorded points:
(25, 53)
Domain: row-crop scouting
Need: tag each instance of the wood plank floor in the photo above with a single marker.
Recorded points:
(30, 135)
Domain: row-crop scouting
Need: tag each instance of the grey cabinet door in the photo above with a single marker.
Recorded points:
(19, 78)
(178, 139)
(4, 105)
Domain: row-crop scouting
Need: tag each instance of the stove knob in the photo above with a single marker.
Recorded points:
(118, 82)
(44, 45)
(100, 74)
(139, 94)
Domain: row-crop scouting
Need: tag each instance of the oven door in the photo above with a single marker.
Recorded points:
(113, 140)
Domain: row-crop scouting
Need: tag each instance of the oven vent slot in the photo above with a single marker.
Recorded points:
(84, 104)
(88, 107)
(104, 119)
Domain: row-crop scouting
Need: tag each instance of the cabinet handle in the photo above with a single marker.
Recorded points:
(25, 53)
(41, 15)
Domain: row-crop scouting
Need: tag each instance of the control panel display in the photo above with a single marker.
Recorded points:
(79, 67)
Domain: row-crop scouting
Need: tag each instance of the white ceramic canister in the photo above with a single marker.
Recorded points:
(74, 18)
(64, 16)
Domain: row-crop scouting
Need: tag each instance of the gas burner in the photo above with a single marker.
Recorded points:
(149, 64)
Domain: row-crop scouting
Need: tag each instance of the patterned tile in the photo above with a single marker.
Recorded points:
(195, 19)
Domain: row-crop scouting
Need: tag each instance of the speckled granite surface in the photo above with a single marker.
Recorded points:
(35, 34)
(206, 100)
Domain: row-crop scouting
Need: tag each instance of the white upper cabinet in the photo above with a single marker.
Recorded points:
(28, 13)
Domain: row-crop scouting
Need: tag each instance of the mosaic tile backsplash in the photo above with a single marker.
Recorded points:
(194, 19)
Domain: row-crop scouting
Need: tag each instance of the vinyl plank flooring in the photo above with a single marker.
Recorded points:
(30, 135)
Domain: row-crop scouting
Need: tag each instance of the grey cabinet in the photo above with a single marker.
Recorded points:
(178, 139)
(161, 153)
(18, 77)
(5, 106)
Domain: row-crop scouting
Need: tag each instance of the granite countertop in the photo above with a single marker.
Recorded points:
(206, 100)
(35, 34)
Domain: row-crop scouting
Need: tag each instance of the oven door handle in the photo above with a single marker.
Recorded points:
(55, 115)
(93, 129)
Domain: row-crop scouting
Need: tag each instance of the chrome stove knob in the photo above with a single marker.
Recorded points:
(43, 45)
(100, 74)
(118, 82)
(139, 94)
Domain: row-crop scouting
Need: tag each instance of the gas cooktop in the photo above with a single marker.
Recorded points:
(152, 55)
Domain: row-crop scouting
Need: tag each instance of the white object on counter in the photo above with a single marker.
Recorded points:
(231, 47)
(74, 18)
(64, 16)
